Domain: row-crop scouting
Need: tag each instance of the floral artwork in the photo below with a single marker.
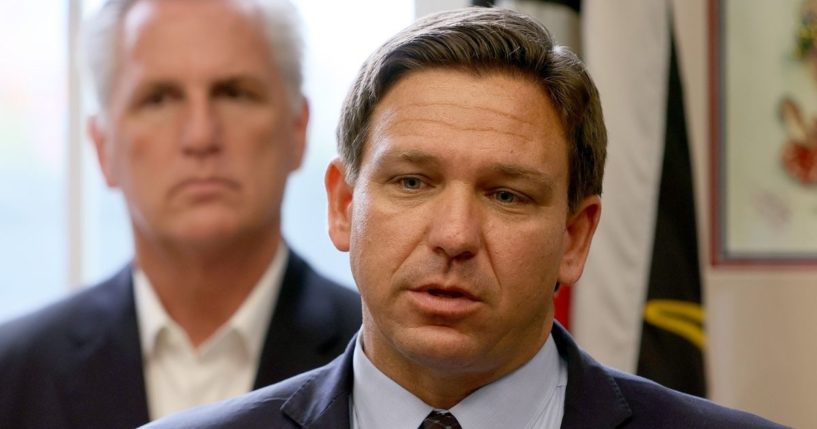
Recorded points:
(764, 130)
(799, 153)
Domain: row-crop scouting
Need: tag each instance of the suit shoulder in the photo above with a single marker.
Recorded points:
(43, 324)
(330, 297)
(34, 334)
(654, 405)
(258, 409)
(39, 350)
(332, 287)
(313, 278)
(342, 297)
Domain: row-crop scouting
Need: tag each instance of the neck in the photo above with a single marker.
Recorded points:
(201, 287)
(444, 382)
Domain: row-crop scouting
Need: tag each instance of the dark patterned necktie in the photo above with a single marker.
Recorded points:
(438, 420)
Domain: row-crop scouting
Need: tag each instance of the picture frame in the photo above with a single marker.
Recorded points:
(763, 131)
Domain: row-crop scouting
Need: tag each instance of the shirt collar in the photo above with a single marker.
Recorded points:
(378, 401)
(150, 314)
(516, 399)
(512, 401)
(250, 321)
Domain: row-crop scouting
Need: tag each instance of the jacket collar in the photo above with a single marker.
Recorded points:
(593, 398)
(303, 324)
(323, 399)
(103, 378)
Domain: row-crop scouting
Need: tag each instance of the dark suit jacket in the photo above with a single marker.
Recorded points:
(597, 397)
(78, 363)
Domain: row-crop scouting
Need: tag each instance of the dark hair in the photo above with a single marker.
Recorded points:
(482, 40)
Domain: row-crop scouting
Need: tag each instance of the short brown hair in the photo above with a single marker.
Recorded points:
(482, 40)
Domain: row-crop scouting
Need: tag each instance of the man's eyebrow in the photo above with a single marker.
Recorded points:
(413, 157)
(518, 171)
(156, 85)
(240, 81)
(237, 79)
(417, 157)
(512, 171)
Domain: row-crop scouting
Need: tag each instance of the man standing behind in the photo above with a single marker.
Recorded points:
(202, 120)
(468, 188)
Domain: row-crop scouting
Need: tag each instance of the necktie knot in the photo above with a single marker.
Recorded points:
(438, 420)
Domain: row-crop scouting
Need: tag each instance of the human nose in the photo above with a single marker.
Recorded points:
(200, 132)
(456, 229)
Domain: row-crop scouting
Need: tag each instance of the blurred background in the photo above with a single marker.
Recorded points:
(703, 273)
(61, 227)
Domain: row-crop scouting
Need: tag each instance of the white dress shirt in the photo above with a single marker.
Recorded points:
(530, 397)
(179, 376)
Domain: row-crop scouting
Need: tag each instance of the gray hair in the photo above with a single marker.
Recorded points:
(279, 18)
(480, 40)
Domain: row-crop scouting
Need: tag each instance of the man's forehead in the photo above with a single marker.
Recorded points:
(496, 105)
(140, 14)
(191, 35)
(428, 92)
(162, 13)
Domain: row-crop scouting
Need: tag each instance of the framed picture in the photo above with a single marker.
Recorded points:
(763, 118)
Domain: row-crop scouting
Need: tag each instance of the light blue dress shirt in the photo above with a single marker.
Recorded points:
(531, 397)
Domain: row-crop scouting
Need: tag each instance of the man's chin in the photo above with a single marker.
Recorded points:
(443, 348)
(206, 239)
(203, 233)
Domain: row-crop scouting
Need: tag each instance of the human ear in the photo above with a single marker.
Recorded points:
(95, 127)
(579, 230)
(300, 121)
(339, 194)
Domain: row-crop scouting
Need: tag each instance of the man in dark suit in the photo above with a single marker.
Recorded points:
(202, 120)
(467, 190)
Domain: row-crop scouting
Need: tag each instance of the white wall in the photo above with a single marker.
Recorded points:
(424, 7)
(762, 323)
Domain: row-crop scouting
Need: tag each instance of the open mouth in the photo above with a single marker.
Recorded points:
(446, 293)
(445, 302)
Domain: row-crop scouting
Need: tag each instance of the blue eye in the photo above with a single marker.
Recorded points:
(506, 197)
(411, 182)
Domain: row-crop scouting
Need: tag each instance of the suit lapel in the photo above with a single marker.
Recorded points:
(593, 398)
(323, 400)
(104, 378)
(301, 333)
